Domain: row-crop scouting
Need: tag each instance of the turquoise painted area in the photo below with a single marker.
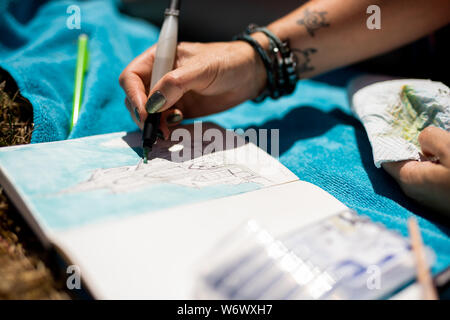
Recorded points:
(42, 171)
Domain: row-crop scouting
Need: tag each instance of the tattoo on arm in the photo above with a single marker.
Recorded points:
(304, 60)
(313, 21)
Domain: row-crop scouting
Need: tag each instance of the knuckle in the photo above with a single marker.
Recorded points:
(406, 176)
(174, 80)
(182, 45)
(429, 133)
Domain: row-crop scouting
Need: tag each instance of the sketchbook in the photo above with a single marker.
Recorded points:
(139, 230)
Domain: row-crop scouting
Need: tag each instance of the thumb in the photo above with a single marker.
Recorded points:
(436, 142)
(171, 88)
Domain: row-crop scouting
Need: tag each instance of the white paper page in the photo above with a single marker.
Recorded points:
(156, 255)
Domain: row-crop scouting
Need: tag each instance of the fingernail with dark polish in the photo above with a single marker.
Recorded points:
(155, 102)
(174, 118)
(136, 113)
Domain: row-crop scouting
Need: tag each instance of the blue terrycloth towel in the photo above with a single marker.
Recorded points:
(39, 51)
(320, 141)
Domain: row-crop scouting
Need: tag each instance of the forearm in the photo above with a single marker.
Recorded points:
(212, 77)
(339, 35)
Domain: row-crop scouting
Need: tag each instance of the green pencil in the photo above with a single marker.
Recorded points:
(82, 62)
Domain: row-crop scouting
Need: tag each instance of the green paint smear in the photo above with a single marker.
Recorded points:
(413, 114)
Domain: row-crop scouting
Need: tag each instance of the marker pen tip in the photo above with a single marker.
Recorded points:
(145, 155)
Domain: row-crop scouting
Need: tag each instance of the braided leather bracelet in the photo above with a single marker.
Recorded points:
(285, 60)
(280, 67)
(270, 87)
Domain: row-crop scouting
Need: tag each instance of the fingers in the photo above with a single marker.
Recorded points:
(416, 173)
(170, 118)
(426, 182)
(436, 142)
(174, 117)
(134, 114)
(405, 172)
(171, 88)
(135, 80)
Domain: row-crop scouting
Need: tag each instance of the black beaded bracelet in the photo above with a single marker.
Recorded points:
(277, 58)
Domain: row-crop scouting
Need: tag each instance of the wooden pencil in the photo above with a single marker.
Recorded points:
(423, 271)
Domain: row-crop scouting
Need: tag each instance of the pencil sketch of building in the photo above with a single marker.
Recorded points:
(195, 174)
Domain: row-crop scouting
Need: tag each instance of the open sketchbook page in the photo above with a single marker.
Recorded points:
(159, 255)
(64, 185)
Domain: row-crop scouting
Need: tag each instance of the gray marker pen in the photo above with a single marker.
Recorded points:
(164, 59)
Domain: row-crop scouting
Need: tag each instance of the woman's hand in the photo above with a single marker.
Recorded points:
(427, 182)
(207, 78)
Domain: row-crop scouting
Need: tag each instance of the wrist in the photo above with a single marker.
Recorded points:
(255, 72)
